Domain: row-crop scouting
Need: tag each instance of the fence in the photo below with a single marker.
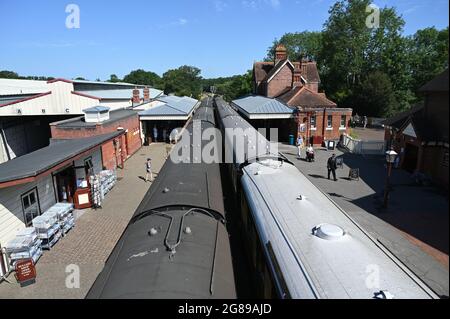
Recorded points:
(363, 147)
(371, 121)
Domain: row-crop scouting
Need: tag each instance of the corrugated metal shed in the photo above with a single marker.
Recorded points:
(184, 104)
(13, 87)
(6, 99)
(256, 104)
(121, 94)
(173, 106)
(162, 110)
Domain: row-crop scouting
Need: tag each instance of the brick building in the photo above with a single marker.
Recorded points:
(420, 135)
(296, 84)
(98, 121)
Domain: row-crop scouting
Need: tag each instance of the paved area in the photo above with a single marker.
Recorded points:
(96, 232)
(369, 134)
(415, 227)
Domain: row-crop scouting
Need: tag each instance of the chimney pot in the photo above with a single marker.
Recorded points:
(146, 94)
(136, 97)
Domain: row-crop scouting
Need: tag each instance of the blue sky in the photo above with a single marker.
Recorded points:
(221, 37)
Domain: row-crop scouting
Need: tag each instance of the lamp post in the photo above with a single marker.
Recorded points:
(390, 158)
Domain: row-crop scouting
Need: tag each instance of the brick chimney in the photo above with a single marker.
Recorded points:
(296, 76)
(146, 94)
(280, 53)
(136, 97)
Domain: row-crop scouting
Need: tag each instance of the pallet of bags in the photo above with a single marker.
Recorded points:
(64, 212)
(26, 245)
(48, 229)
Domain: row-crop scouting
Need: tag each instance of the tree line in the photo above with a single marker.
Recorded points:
(183, 81)
(375, 71)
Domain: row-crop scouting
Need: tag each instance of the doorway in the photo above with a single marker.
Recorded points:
(411, 155)
(66, 185)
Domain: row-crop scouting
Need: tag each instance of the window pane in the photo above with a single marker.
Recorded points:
(26, 202)
(32, 198)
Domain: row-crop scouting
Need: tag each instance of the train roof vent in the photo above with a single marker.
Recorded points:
(383, 294)
(328, 231)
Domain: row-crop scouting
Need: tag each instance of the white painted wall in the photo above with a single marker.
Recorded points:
(55, 103)
(11, 212)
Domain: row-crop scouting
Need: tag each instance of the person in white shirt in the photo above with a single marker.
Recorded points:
(299, 146)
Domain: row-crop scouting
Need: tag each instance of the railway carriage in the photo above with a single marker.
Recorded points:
(176, 244)
(299, 242)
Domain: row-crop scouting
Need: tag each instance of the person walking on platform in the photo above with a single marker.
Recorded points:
(299, 146)
(331, 165)
(148, 168)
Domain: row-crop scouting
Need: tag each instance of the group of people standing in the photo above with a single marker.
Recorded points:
(173, 136)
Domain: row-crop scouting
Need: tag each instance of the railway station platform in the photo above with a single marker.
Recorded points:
(96, 232)
(415, 226)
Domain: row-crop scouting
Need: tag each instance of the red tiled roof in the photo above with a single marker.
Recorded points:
(304, 97)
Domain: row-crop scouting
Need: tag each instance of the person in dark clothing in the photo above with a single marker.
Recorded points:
(331, 165)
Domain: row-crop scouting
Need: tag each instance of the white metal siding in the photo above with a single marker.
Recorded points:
(55, 103)
(11, 212)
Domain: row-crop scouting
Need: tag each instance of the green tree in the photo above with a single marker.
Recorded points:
(375, 96)
(345, 39)
(236, 86)
(185, 80)
(299, 45)
(428, 55)
(142, 77)
(114, 78)
(9, 75)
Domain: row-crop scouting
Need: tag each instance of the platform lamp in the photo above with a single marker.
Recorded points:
(390, 159)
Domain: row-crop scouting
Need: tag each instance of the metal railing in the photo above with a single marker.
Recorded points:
(357, 146)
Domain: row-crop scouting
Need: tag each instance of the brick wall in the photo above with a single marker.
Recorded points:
(108, 156)
(280, 82)
(131, 141)
(320, 134)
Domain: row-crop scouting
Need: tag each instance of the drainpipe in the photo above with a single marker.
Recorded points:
(5, 142)
(323, 124)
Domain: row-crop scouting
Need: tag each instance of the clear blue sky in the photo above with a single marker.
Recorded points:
(221, 37)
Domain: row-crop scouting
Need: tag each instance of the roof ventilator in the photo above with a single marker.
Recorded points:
(328, 232)
(383, 294)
